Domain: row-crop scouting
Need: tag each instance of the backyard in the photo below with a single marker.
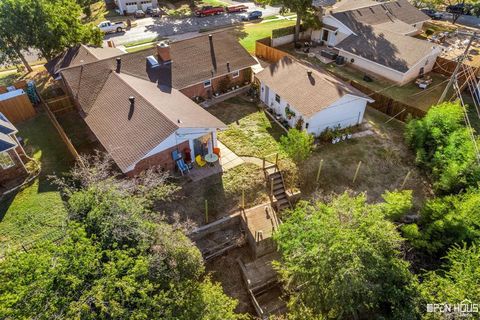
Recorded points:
(37, 211)
(249, 33)
(385, 158)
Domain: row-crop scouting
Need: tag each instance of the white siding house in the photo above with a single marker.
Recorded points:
(376, 37)
(130, 6)
(308, 98)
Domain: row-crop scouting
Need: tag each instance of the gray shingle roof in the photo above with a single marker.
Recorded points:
(78, 55)
(390, 49)
(379, 13)
(308, 95)
(128, 134)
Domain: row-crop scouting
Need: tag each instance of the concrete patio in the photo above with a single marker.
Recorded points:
(228, 160)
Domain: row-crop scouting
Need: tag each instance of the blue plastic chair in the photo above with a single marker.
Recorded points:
(182, 166)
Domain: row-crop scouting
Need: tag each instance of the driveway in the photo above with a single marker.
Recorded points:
(148, 28)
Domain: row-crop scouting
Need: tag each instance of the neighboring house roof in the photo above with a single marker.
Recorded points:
(80, 54)
(6, 142)
(346, 5)
(307, 94)
(380, 13)
(193, 61)
(323, 3)
(6, 127)
(389, 49)
(128, 134)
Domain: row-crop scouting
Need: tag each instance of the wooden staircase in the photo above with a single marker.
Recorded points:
(276, 186)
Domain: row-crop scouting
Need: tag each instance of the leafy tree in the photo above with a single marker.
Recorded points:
(341, 260)
(458, 281)
(445, 222)
(303, 8)
(443, 146)
(114, 262)
(297, 144)
(46, 25)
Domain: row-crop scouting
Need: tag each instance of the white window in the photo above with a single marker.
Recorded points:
(235, 74)
(207, 84)
(6, 161)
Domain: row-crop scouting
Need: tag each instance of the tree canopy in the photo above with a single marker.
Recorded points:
(456, 282)
(114, 262)
(446, 221)
(341, 260)
(443, 146)
(48, 26)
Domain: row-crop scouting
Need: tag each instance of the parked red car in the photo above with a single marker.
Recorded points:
(237, 8)
(209, 11)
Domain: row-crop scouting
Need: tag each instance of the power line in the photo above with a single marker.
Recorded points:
(467, 121)
(453, 78)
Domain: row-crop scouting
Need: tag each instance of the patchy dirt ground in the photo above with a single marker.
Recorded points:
(225, 270)
(386, 161)
(222, 191)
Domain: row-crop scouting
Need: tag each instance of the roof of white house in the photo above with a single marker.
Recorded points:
(307, 90)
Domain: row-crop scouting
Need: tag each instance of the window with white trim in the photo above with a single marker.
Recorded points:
(207, 84)
(6, 161)
(277, 98)
(235, 74)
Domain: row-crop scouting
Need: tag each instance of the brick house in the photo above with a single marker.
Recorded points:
(11, 153)
(140, 105)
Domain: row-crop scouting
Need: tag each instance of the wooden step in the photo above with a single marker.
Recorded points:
(274, 175)
(278, 192)
(282, 202)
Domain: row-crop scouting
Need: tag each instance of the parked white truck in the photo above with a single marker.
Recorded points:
(108, 26)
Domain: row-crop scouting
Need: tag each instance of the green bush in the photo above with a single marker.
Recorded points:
(344, 257)
(445, 222)
(397, 204)
(443, 146)
(298, 145)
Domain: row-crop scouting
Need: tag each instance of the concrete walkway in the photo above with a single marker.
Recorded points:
(228, 160)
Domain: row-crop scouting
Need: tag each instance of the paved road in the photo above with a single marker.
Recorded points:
(469, 21)
(149, 28)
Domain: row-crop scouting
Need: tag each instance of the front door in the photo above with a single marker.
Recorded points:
(325, 35)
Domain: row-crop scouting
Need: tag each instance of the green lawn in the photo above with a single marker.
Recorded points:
(248, 34)
(140, 47)
(37, 211)
(215, 3)
(250, 132)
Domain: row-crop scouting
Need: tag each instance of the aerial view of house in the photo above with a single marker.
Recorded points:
(139, 104)
(324, 102)
(378, 37)
(217, 159)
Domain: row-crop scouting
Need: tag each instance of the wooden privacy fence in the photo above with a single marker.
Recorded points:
(264, 51)
(18, 108)
(60, 104)
(22, 84)
(60, 130)
(387, 105)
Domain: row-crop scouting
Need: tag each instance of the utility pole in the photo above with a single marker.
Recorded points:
(459, 64)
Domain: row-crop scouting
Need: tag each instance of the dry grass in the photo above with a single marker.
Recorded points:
(386, 160)
(223, 193)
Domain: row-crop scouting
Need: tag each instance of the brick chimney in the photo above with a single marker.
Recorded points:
(163, 51)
